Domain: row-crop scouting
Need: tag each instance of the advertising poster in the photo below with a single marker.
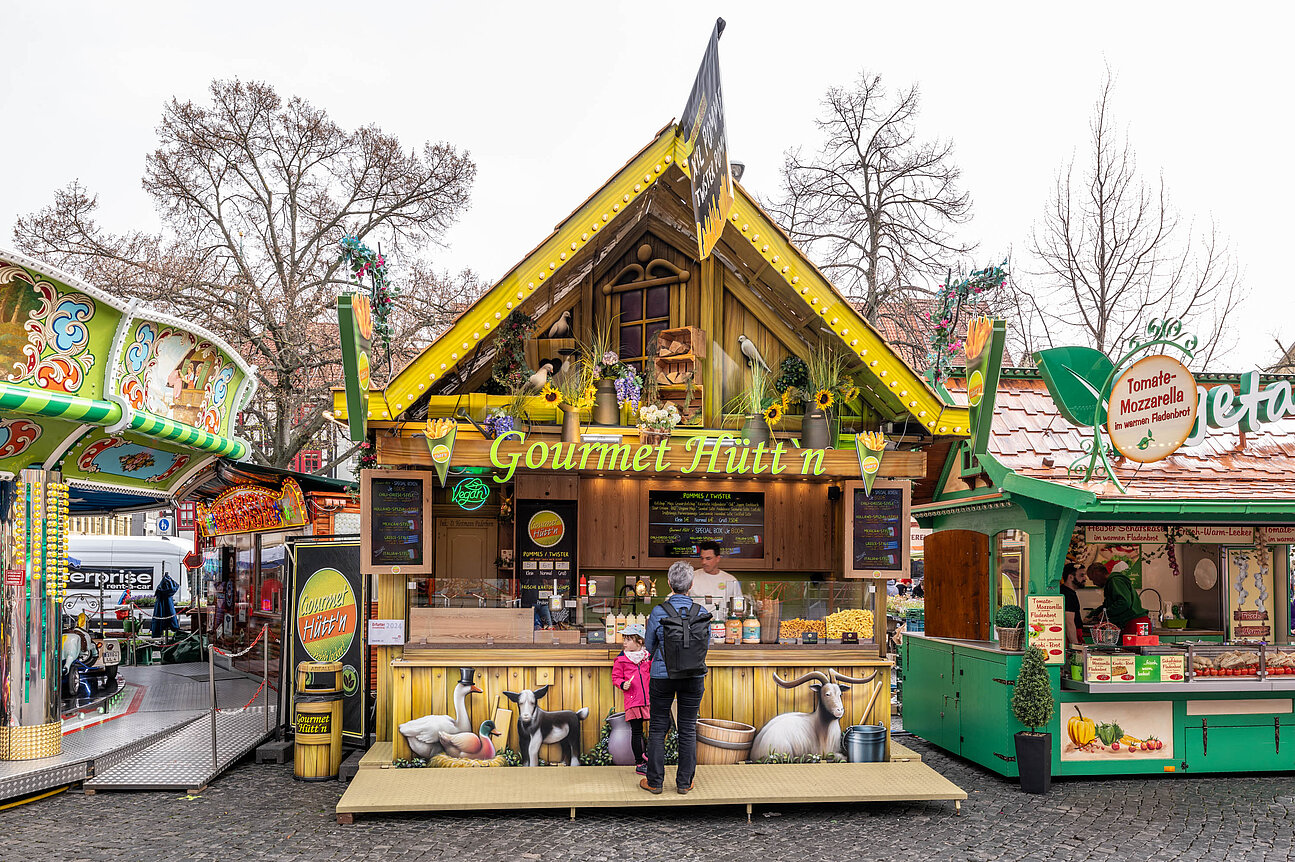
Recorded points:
(328, 618)
(1045, 622)
(1117, 731)
(546, 547)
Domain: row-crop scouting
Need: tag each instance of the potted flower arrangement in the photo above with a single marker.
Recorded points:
(616, 383)
(792, 382)
(501, 420)
(570, 390)
(828, 386)
(656, 421)
(752, 403)
(1032, 704)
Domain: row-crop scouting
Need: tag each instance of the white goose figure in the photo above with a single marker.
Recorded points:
(424, 734)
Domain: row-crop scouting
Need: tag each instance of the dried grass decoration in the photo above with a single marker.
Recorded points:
(445, 761)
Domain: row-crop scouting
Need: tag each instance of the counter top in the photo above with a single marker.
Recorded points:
(1179, 688)
(987, 646)
(1187, 632)
(579, 655)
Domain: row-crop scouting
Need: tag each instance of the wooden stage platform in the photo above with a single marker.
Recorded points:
(379, 789)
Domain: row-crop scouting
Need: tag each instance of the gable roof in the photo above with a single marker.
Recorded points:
(1226, 466)
(751, 233)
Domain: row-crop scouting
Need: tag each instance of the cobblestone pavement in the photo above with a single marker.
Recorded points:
(259, 812)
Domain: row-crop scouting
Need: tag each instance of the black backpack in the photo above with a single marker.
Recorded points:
(684, 640)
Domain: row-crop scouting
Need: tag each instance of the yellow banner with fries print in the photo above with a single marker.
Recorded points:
(869, 445)
(440, 435)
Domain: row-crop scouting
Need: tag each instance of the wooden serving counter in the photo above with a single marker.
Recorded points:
(739, 685)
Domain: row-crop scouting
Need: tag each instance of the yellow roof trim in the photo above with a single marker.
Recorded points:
(892, 374)
(475, 324)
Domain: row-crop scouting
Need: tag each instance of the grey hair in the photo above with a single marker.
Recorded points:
(680, 577)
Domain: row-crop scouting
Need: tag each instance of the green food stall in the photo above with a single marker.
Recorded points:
(1203, 529)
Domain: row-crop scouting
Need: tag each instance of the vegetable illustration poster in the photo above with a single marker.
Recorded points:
(1045, 626)
(1115, 731)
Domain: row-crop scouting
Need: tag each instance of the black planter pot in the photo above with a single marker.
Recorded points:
(1034, 761)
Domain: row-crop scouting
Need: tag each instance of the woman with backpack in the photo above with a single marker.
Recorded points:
(678, 635)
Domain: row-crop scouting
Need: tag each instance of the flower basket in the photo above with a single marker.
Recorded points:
(654, 437)
(1011, 640)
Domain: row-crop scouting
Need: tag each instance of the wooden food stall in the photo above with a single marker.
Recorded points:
(512, 535)
(1203, 531)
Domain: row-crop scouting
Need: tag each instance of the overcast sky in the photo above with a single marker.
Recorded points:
(552, 97)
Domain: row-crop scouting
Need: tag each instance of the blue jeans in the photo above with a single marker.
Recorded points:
(662, 693)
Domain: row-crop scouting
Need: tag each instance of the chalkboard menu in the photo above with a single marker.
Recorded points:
(680, 520)
(878, 529)
(396, 517)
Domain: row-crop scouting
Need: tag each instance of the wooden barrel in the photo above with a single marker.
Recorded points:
(720, 741)
(319, 677)
(317, 754)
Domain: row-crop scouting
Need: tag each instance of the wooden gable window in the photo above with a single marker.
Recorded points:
(641, 295)
(644, 312)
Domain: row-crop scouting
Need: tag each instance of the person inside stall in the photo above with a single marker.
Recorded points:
(1119, 599)
(1072, 579)
(710, 583)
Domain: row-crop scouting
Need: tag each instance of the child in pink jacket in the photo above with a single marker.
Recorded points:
(631, 672)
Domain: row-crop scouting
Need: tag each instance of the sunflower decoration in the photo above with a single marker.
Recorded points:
(850, 393)
(773, 413)
(551, 395)
(823, 398)
(789, 397)
(586, 399)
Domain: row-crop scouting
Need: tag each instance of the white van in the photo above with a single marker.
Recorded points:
(103, 568)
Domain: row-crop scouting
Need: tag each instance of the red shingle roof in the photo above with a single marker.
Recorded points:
(1028, 428)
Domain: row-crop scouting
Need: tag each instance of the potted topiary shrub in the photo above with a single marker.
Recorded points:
(1009, 620)
(1033, 706)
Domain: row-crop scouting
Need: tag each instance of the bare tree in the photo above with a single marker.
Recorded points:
(875, 205)
(1114, 253)
(256, 192)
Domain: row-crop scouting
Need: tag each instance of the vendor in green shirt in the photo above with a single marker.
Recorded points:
(1119, 599)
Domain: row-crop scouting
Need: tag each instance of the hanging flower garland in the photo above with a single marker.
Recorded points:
(363, 261)
(949, 299)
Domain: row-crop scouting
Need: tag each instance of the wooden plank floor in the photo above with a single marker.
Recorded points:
(378, 791)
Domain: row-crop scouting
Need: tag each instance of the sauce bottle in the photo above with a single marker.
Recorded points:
(611, 628)
(750, 628)
(621, 622)
(732, 627)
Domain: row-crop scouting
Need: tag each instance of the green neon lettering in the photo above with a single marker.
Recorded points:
(543, 449)
(698, 444)
(642, 454)
(755, 465)
(712, 465)
(740, 453)
(661, 449)
(776, 468)
(621, 450)
(815, 455)
(566, 464)
(509, 465)
(586, 449)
